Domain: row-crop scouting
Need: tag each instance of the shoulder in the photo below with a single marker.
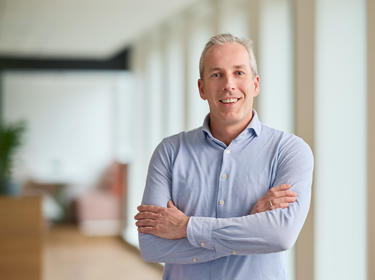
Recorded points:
(173, 143)
(183, 137)
(288, 144)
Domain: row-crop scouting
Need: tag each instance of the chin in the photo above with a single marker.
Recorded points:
(231, 119)
(235, 118)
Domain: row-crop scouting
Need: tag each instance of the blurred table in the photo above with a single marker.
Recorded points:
(21, 237)
(54, 193)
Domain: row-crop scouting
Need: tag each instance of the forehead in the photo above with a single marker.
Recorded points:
(226, 55)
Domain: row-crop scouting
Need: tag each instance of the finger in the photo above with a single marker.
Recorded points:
(146, 230)
(278, 201)
(287, 193)
(276, 206)
(283, 205)
(149, 208)
(146, 215)
(273, 191)
(282, 187)
(171, 204)
(269, 206)
(145, 223)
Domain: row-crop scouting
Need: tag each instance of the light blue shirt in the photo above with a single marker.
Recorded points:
(217, 186)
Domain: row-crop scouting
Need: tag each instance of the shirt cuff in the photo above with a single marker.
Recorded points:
(199, 232)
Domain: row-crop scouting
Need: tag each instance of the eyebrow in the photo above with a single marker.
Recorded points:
(241, 66)
(214, 69)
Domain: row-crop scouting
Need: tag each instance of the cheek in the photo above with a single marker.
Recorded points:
(213, 87)
(249, 90)
(211, 92)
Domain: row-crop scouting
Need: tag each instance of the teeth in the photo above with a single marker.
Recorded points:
(229, 100)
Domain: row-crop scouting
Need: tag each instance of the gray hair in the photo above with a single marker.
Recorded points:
(221, 39)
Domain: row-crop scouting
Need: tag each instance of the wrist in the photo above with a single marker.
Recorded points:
(185, 226)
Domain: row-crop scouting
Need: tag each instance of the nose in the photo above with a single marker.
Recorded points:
(229, 84)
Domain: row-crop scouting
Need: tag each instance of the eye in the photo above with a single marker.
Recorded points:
(240, 73)
(215, 75)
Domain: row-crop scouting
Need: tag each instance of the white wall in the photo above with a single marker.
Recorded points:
(174, 81)
(340, 136)
(138, 168)
(72, 130)
(276, 64)
(233, 17)
(200, 27)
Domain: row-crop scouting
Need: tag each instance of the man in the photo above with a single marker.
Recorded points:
(225, 200)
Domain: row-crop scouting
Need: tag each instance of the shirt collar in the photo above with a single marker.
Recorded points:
(255, 125)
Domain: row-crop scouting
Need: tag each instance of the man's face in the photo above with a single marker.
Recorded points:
(228, 84)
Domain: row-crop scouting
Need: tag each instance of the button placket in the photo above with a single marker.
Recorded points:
(223, 182)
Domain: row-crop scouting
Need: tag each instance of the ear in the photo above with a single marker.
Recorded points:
(256, 84)
(201, 89)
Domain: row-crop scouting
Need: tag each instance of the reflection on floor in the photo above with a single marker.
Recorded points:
(71, 255)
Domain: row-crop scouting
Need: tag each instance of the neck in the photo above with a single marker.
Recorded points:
(226, 132)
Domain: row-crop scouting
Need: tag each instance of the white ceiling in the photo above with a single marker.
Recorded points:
(78, 28)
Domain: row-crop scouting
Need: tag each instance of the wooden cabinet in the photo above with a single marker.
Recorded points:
(21, 238)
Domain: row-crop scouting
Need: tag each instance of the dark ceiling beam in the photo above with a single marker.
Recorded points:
(120, 61)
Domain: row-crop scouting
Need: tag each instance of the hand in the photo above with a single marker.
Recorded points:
(168, 223)
(279, 196)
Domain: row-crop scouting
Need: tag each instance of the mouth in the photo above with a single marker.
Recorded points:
(231, 100)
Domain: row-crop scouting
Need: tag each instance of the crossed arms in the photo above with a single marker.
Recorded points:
(171, 223)
(167, 235)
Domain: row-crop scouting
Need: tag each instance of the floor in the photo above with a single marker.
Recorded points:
(71, 255)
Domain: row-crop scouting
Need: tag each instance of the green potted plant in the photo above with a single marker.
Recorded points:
(10, 141)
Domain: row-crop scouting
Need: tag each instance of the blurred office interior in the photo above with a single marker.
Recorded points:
(98, 84)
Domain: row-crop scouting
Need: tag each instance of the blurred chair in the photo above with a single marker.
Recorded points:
(100, 212)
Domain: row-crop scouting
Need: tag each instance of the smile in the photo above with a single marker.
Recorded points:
(229, 100)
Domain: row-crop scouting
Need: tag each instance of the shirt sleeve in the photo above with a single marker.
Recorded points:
(266, 232)
(158, 192)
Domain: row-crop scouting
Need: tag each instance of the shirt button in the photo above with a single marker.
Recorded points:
(224, 176)
(202, 244)
(221, 202)
(234, 252)
(195, 260)
(228, 152)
